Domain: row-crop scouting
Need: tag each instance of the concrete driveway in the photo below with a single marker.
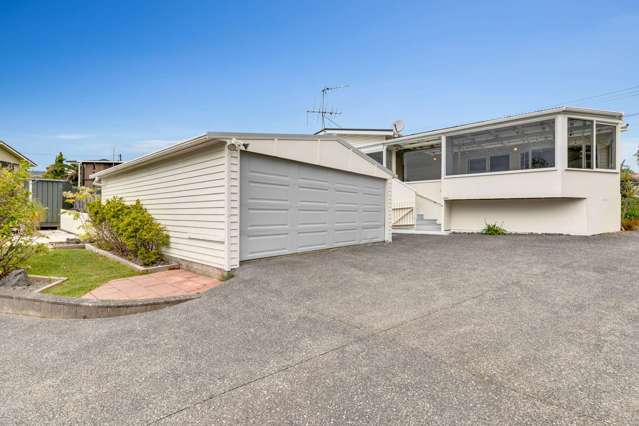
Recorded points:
(439, 330)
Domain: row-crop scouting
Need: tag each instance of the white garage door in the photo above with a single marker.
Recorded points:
(288, 207)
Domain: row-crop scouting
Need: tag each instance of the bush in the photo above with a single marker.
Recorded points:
(493, 229)
(630, 208)
(19, 218)
(127, 230)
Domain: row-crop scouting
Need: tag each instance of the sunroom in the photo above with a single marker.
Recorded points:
(552, 171)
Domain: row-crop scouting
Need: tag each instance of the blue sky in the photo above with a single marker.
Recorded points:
(84, 77)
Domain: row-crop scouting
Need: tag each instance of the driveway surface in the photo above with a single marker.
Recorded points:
(439, 330)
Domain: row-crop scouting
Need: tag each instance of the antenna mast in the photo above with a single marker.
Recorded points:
(322, 111)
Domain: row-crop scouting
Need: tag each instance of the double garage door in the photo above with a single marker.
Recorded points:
(289, 207)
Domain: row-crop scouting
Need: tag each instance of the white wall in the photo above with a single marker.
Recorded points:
(69, 223)
(431, 206)
(325, 153)
(188, 195)
(358, 140)
(601, 190)
(549, 216)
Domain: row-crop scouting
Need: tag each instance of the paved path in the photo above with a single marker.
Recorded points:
(151, 286)
(439, 330)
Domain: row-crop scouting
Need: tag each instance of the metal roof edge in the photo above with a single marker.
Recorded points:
(154, 156)
(540, 113)
(224, 136)
(17, 153)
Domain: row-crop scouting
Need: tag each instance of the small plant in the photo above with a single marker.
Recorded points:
(19, 219)
(128, 230)
(493, 229)
(227, 275)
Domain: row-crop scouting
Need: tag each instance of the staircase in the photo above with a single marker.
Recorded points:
(422, 224)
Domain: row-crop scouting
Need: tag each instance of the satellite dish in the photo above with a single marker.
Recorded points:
(398, 126)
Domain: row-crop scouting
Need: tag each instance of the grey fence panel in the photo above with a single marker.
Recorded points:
(48, 193)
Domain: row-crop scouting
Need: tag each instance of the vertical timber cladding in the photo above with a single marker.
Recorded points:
(289, 207)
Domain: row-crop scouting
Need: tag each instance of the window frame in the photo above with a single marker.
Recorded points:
(441, 159)
(593, 154)
(521, 122)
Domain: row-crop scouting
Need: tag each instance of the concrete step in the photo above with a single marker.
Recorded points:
(428, 228)
(431, 222)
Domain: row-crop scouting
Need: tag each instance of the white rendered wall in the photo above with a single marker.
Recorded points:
(547, 216)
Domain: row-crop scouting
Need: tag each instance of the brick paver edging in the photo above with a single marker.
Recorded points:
(141, 269)
(56, 307)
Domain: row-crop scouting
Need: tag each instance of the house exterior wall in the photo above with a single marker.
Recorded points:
(188, 195)
(603, 200)
(550, 200)
(358, 140)
(547, 216)
(430, 203)
(325, 153)
(8, 157)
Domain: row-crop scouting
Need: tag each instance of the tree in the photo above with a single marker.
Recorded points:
(60, 169)
(19, 218)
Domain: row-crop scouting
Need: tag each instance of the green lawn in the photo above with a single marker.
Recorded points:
(85, 270)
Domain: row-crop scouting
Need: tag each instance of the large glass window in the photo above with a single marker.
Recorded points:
(377, 156)
(605, 140)
(419, 164)
(525, 146)
(580, 142)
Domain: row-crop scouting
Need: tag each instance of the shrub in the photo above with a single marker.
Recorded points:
(127, 230)
(19, 218)
(630, 208)
(493, 229)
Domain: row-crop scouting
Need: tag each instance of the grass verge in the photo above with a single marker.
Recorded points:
(85, 270)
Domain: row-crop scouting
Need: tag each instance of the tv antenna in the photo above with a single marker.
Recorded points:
(322, 111)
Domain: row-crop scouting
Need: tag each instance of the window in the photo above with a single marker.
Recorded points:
(477, 165)
(499, 163)
(542, 158)
(580, 141)
(419, 164)
(524, 146)
(605, 139)
(7, 165)
(389, 159)
(377, 156)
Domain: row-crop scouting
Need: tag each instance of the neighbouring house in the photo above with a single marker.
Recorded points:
(86, 168)
(229, 197)
(549, 171)
(10, 158)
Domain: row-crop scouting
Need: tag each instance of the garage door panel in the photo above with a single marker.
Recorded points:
(300, 207)
(267, 217)
(312, 239)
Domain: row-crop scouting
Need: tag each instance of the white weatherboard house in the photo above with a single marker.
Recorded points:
(550, 171)
(227, 197)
